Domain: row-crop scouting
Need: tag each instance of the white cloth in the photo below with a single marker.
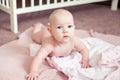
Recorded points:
(104, 59)
(100, 52)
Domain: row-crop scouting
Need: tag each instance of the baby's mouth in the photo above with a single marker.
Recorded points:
(66, 36)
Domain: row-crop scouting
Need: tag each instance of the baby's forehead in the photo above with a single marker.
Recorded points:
(60, 13)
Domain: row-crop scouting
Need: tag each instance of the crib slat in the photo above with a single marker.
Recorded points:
(7, 3)
(62, 1)
(23, 3)
(40, 2)
(3, 2)
(0, 2)
(55, 1)
(48, 2)
(32, 3)
(68, 0)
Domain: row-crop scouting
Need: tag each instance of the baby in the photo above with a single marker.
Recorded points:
(58, 39)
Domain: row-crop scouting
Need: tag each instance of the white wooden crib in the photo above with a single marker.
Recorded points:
(11, 7)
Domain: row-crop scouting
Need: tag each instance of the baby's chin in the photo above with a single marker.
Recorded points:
(67, 39)
(64, 40)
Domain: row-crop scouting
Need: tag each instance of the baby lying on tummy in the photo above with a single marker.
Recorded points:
(58, 39)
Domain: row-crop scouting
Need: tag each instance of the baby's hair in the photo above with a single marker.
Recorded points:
(58, 12)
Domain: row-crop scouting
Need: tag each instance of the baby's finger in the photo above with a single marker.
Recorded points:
(84, 65)
(35, 78)
(28, 78)
(32, 78)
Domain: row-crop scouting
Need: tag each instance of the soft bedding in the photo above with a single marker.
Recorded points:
(104, 61)
(15, 58)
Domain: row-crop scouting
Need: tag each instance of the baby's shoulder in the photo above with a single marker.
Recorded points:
(76, 39)
(48, 40)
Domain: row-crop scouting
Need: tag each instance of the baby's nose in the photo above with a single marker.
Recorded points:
(65, 31)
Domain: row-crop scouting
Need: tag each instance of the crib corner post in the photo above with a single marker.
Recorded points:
(13, 16)
(114, 5)
(14, 23)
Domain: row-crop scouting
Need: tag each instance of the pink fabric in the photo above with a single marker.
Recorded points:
(111, 57)
(15, 58)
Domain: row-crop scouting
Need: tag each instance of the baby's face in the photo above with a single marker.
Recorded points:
(62, 28)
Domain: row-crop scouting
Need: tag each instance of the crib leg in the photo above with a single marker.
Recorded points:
(14, 23)
(114, 5)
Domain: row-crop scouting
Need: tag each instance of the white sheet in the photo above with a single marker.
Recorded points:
(104, 59)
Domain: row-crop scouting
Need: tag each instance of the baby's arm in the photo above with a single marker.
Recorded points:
(41, 55)
(83, 50)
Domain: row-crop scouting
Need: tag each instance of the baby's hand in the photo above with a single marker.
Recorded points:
(32, 76)
(52, 63)
(85, 63)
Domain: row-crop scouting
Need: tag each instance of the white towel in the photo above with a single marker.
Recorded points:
(104, 59)
(98, 51)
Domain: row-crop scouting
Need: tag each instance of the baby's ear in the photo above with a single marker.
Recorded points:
(49, 29)
(48, 24)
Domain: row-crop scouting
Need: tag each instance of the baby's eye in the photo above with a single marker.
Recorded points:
(59, 27)
(69, 26)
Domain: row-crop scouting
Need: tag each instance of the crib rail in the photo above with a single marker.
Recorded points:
(43, 5)
(5, 5)
(25, 6)
(37, 5)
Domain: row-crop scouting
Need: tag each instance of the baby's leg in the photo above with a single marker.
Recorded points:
(37, 32)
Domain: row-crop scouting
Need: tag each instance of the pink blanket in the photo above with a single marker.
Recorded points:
(15, 57)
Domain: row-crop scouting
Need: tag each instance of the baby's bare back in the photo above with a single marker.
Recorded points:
(40, 32)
